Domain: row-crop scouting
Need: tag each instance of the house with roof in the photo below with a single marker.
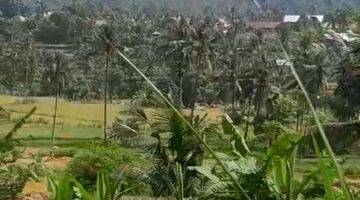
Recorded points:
(318, 18)
(102, 22)
(263, 25)
(268, 29)
(291, 18)
(296, 18)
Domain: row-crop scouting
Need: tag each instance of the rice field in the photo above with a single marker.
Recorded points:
(74, 119)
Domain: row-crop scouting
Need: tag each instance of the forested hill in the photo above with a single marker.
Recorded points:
(281, 6)
(312, 6)
(293, 6)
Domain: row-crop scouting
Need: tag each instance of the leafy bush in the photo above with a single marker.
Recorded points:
(8, 152)
(12, 182)
(281, 108)
(89, 162)
(85, 167)
(143, 97)
(324, 117)
(107, 188)
(131, 131)
(59, 152)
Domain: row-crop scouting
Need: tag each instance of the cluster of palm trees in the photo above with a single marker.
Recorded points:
(194, 58)
(254, 74)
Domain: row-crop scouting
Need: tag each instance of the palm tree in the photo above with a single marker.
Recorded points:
(57, 86)
(177, 52)
(180, 149)
(200, 61)
(312, 59)
(58, 73)
(108, 37)
(348, 90)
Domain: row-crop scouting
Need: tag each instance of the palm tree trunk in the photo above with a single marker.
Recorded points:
(233, 100)
(181, 91)
(298, 117)
(194, 99)
(54, 118)
(105, 95)
(247, 121)
(56, 100)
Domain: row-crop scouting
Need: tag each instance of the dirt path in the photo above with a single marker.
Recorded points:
(37, 190)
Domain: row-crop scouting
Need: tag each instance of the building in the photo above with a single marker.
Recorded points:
(262, 25)
(291, 18)
(296, 18)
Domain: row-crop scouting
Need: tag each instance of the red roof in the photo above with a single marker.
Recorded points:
(263, 24)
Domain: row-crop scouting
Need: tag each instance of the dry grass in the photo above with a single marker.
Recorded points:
(4, 100)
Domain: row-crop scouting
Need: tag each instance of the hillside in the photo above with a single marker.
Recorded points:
(290, 6)
(313, 6)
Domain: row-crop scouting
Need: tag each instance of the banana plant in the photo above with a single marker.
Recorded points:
(67, 187)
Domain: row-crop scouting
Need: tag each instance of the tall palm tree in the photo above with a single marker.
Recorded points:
(200, 57)
(58, 73)
(108, 37)
(57, 86)
(178, 52)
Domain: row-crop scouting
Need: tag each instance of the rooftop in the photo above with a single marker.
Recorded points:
(263, 24)
(295, 18)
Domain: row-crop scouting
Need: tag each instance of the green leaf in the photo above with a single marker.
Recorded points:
(279, 172)
(284, 145)
(227, 125)
(238, 142)
(206, 171)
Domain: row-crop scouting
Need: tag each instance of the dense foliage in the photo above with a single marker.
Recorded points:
(271, 84)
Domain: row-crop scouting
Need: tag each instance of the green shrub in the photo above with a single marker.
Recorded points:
(86, 166)
(6, 146)
(8, 152)
(352, 170)
(59, 152)
(115, 160)
(12, 182)
(65, 152)
(324, 117)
